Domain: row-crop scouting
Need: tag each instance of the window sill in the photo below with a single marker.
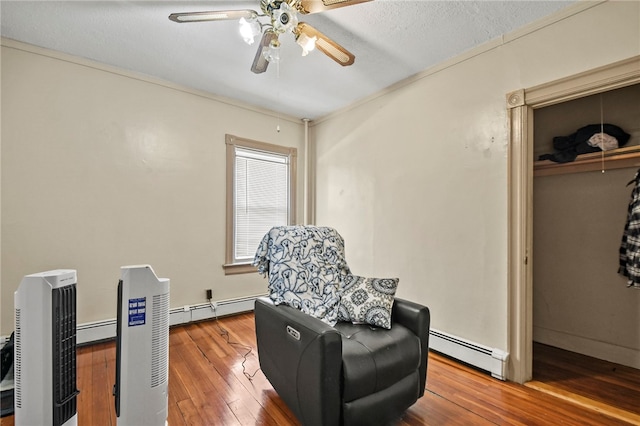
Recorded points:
(239, 268)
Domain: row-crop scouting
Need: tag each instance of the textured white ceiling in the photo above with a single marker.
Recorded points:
(392, 40)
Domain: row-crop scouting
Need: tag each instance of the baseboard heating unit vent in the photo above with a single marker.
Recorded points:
(482, 357)
(106, 329)
(142, 348)
(45, 349)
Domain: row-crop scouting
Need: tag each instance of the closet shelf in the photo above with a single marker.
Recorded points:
(626, 157)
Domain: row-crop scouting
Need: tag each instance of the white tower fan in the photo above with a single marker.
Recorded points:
(45, 349)
(142, 348)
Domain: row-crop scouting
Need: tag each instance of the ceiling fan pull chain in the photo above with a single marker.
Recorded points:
(278, 94)
(602, 130)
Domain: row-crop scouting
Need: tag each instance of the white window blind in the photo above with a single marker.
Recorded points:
(261, 198)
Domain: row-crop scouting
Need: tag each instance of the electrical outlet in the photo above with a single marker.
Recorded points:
(209, 294)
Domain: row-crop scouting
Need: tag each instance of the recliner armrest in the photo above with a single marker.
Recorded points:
(302, 358)
(417, 318)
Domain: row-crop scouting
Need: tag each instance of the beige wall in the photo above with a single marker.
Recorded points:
(102, 169)
(416, 179)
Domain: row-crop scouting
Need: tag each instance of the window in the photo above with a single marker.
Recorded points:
(260, 195)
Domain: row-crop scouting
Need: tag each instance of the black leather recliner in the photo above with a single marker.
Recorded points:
(346, 374)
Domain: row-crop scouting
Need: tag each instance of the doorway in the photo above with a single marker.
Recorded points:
(521, 105)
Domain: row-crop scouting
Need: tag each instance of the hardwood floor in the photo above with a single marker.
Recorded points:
(605, 386)
(207, 386)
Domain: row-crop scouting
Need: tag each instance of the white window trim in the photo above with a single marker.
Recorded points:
(232, 142)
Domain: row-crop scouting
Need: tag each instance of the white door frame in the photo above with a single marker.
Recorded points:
(520, 106)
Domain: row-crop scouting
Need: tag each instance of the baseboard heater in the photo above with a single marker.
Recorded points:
(483, 357)
(480, 356)
(106, 329)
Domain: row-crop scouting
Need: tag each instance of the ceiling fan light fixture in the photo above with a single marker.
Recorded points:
(284, 19)
(272, 53)
(249, 29)
(307, 43)
(278, 17)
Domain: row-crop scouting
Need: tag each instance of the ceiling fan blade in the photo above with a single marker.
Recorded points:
(217, 15)
(315, 6)
(326, 45)
(260, 63)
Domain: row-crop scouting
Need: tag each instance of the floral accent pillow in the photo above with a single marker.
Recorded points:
(367, 300)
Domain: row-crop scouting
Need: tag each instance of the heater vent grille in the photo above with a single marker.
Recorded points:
(160, 340)
(63, 308)
(17, 367)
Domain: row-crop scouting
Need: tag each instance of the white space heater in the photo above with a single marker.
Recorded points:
(142, 348)
(45, 349)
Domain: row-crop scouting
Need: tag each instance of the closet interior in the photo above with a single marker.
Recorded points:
(581, 303)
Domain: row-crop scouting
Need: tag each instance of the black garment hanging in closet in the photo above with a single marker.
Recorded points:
(630, 246)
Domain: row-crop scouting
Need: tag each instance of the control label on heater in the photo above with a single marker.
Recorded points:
(137, 311)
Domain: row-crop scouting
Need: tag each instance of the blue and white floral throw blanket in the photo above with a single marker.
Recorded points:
(305, 266)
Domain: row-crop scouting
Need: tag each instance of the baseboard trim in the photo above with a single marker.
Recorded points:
(96, 331)
(204, 311)
(483, 357)
(594, 348)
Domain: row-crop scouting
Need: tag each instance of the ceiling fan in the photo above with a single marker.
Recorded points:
(280, 16)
